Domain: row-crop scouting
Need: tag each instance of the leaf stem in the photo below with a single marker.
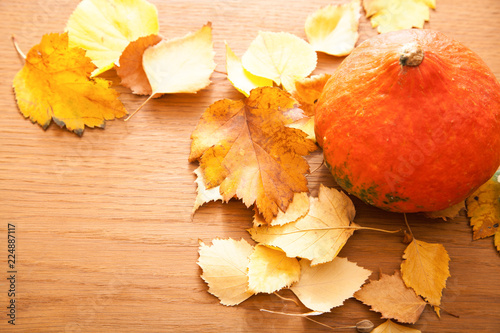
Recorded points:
(286, 299)
(220, 72)
(322, 163)
(408, 225)
(335, 228)
(140, 107)
(16, 46)
(307, 316)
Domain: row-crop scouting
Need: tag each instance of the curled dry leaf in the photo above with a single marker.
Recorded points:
(245, 148)
(55, 84)
(281, 57)
(334, 29)
(325, 286)
(130, 71)
(391, 15)
(483, 208)
(270, 270)
(240, 78)
(391, 327)
(224, 266)
(318, 236)
(114, 24)
(392, 298)
(298, 208)
(448, 213)
(426, 269)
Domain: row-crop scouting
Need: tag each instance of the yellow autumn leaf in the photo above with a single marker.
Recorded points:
(483, 208)
(105, 27)
(425, 269)
(281, 57)
(334, 29)
(240, 78)
(181, 65)
(448, 213)
(318, 236)
(204, 195)
(391, 15)
(298, 208)
(391, 327)
(225, 265)
(325, 286)
(55, 84)
(270, 270)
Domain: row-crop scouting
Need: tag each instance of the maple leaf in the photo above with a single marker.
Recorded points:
(130, 71)
(391, 15)
(224, 266)
(425, 269)
(270, 270)
(391, 327)
(281, 57)
(105, 28)
(325, 286)
(483, 208)
(448, 213)
(240, 78)
(392, 298)
(245, 148)
(320, 235)
(334, 29)
(55, 84)
(298, 208)
(204, 195)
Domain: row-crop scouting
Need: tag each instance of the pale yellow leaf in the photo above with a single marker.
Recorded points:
(318, 236)
(306, 125)
(105, 28)
(391, 15)
(281, 57)
(204, 195)
(181, 65)
(425, 269)
(270, 270)
(325, 286)
(391, 327)
(448, 213)
(298, 208)
(225, 265)
(241, 79)
(334, 29)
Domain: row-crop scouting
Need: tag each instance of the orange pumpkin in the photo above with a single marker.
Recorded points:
(410, 122)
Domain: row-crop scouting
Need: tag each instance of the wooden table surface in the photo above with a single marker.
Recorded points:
(105, 236)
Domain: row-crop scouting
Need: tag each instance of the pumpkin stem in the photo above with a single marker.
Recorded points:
(411, 54)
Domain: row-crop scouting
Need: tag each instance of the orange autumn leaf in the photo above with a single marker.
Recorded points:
(55, 84)
(308, 90)
(246, 148)
(130, 70)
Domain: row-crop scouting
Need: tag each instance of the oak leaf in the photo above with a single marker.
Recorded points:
(298, 208)
(483, 208)
(105, 28)
(245, 148)
(391, 327)
(392, 298)
(426, 269)
(270, 270)
(240, 78)
(281, 57)
(325, 286)
(334, 29)
(320, 235)
(130, 70)
(55, 84)
(225, 265)
(391, 15)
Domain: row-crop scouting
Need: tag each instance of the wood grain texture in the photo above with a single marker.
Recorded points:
(105, 236)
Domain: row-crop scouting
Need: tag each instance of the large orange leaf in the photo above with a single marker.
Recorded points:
(55, 84)
(246, 148)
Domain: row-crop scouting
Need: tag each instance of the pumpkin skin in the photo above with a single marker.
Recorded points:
(410, 138)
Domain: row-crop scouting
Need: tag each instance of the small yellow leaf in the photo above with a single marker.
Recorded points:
(270, 270)
(241, 79)
(425, 269)
(318, 236)
(325, 286)
(225, 266)
(391, 15)
(334, 29)
(105, 28)
(204, 195)
(483, 208)
(298, 208)
(391, 327)
(181, 65)
(55, 84)
(281, 57)
(448, 213)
